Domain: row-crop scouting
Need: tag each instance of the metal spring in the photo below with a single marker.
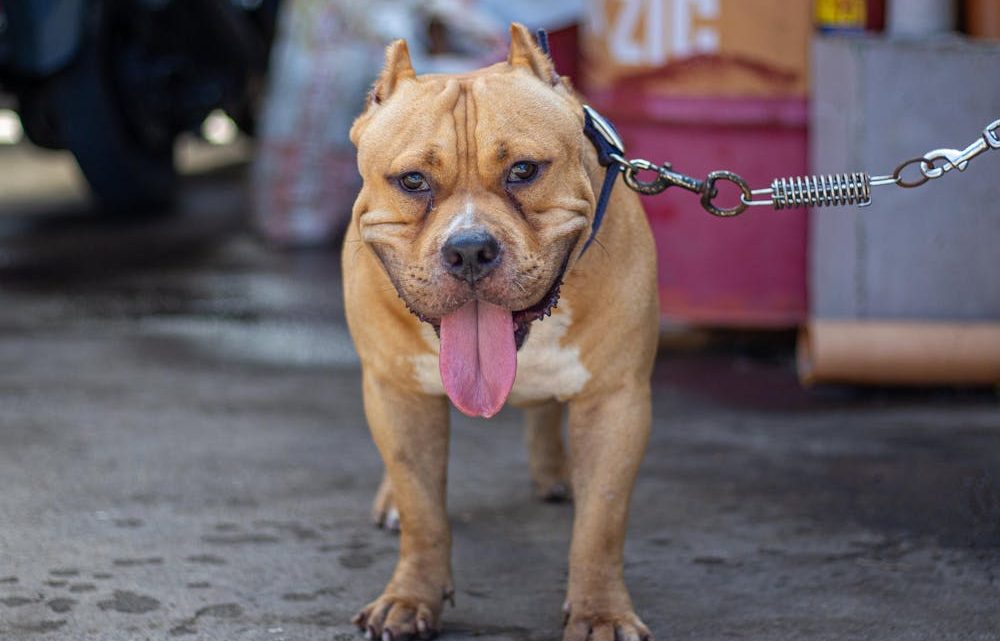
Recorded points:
(821, 191)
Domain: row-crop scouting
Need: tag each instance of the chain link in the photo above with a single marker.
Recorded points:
(807, 191)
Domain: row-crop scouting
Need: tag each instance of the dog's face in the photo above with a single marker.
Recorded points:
(475, 187)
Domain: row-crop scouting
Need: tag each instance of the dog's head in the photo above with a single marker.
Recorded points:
(475, 189)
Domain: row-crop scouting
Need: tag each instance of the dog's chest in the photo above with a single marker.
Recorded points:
(548, 365)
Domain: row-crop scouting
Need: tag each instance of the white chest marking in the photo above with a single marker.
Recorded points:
(547, 368)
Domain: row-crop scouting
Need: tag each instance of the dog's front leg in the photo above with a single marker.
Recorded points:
(411, 433)
(607, 436)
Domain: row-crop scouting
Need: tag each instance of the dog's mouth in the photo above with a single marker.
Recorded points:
(522, 318)
(478, 352)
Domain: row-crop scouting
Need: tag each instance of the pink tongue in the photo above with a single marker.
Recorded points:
(478, 357)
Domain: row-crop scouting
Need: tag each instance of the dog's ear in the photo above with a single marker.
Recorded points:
(398, 68)
(525, 52)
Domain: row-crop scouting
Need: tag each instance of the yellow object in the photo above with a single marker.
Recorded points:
(841, 14)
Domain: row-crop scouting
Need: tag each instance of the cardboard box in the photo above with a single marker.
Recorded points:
(733, 48)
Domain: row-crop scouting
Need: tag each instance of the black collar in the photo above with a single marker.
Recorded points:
(610, 150)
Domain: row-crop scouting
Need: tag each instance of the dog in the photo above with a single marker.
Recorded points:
(474, 222)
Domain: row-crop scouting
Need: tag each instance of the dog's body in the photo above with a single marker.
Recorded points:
(478, 198)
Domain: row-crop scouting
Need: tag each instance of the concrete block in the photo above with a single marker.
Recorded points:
(930, 253)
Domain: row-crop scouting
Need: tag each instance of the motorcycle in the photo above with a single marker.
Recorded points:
(117, 81)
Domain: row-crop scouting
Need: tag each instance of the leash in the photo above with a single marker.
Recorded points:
(834, 190)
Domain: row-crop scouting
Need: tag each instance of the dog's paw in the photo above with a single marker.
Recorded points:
(397, 618)
(624, 626)
(384, 512)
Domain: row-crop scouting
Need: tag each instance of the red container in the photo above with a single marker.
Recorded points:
(748, 271)
(564, 47)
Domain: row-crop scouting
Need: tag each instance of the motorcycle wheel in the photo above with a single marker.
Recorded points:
(126, 174)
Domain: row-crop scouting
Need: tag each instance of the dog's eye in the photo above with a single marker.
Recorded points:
(522, 172)
(414, 181)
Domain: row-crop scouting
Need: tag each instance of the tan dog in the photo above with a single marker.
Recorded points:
(478, 199)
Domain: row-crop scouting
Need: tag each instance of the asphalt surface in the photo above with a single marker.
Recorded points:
(183, 455)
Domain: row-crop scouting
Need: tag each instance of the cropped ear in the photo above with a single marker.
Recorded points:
(524, 52)
(398, 68)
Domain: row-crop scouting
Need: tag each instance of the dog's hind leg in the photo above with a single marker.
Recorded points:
(546, 454)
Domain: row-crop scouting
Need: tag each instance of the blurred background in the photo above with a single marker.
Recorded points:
(182, 448)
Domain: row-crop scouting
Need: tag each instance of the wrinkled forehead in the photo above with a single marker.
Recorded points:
(500, 113)
(515, 108)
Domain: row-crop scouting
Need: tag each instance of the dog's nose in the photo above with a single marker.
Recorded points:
(471, 255)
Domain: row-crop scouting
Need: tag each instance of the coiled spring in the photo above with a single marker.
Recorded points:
(821, 191)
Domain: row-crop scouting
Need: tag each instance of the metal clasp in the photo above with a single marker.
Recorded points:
(954, 158)
(631, 169)
(680, 180)
(665, 177)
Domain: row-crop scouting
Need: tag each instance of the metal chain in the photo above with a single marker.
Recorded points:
(806, 191)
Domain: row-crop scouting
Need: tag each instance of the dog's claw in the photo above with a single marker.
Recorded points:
(397, 619)
(621, 627)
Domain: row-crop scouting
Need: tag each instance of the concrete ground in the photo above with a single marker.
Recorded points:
(183, 455)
